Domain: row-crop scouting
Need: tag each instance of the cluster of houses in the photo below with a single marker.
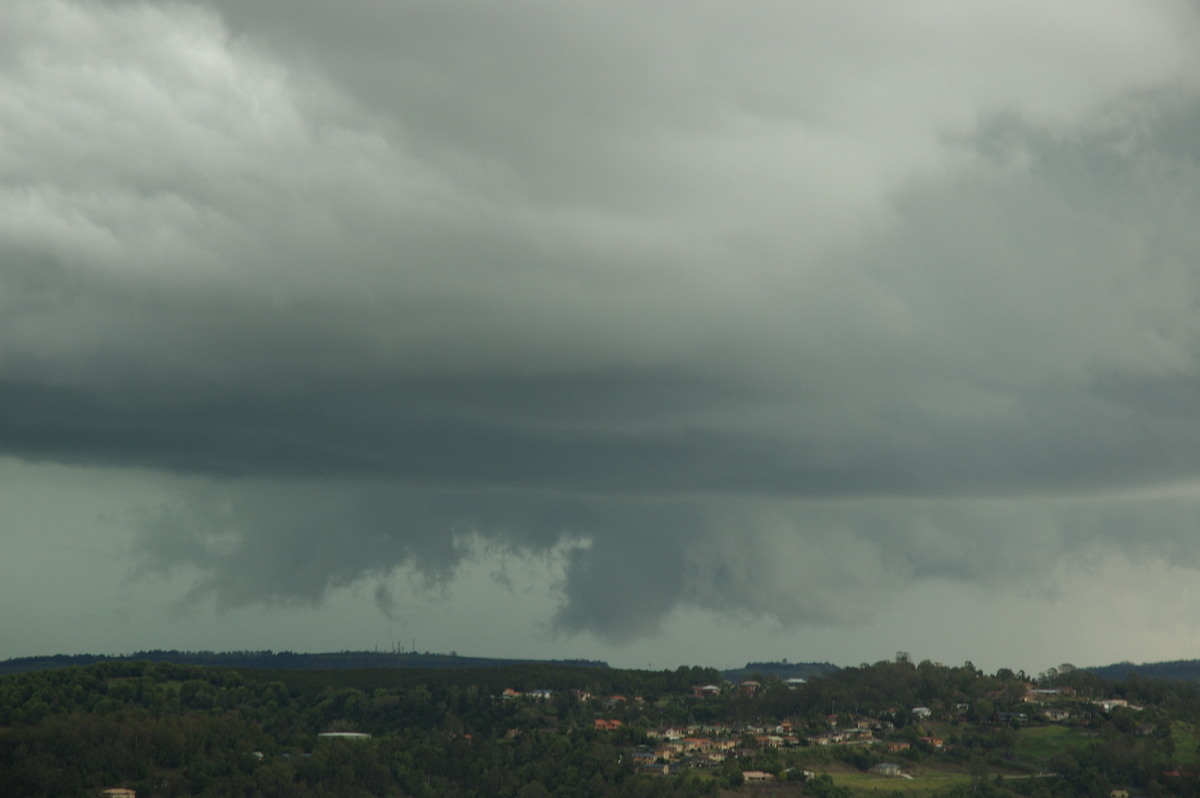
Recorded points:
(700, 746)
(709, 745)
(510, 693)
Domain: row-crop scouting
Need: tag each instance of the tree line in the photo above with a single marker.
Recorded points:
(169, 730)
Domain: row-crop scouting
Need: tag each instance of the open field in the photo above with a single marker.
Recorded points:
(1038, 745)
(922, 783)
(1187, 744)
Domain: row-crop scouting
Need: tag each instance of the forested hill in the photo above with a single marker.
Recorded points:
(285, 660)
(1180, 670)
(781, 670)
(894, 729)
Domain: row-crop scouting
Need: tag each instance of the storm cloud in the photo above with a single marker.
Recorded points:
(759, 310)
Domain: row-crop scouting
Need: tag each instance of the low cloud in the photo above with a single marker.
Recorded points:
(772, 313)
(629, 565)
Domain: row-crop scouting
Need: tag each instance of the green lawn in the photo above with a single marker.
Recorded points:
(1037, 745)
(921, 783)
(1187, 744)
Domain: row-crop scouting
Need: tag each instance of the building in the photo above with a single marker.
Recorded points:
(344, 736)
(756, 776)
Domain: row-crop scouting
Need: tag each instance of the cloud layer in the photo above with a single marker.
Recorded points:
(748, 310)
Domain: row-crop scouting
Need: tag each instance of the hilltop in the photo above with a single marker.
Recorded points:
(783, 670)
(1180, 670)
(285, 660)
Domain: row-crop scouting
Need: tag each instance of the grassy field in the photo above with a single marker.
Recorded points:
(1035, 747)
(922, 783)
(1039, 744)
(1187, 744)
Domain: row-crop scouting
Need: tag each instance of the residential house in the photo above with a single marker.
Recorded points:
(644, 757)
(756, 776)
(674, 748)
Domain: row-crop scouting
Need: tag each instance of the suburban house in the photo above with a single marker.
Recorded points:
(756, 776)
(1009, 717)
(644, 757)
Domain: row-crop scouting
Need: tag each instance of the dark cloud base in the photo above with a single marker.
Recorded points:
(755, 314)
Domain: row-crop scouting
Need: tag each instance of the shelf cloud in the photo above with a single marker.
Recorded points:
(761, 311)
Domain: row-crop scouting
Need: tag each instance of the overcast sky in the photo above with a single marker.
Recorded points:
(660, 333)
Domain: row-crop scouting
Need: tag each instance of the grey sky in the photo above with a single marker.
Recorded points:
(746, 322)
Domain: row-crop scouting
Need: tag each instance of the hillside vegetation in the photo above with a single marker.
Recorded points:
(894, 727)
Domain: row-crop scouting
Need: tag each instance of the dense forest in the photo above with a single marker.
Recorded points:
(896, 727)
(1184, 670)
(283, 659)
(782, 670)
